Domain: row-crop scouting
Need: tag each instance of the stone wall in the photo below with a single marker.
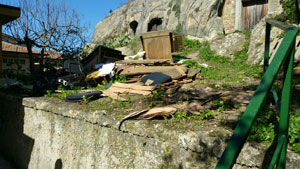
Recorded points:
(48, 133)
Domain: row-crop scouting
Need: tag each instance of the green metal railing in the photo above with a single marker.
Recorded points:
(283, 57)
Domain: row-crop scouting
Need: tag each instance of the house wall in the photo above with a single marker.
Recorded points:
(0, 46)
(19, 64)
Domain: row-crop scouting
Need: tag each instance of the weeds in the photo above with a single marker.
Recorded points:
(119, 41)
(223, 69)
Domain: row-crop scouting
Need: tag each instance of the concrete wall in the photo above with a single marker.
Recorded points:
(44, 133)
(1, 46)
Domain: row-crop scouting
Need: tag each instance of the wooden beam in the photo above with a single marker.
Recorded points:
(8, 13)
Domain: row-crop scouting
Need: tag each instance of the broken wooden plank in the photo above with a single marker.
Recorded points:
(176, 73)
(193, 72)
(147, 115)
(159, 111)
(133, 86)
(184, 81)
(145, 62)
(124, 90)
(137, 70)
(112, 95)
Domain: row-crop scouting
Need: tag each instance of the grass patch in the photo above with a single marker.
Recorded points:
(222, 68)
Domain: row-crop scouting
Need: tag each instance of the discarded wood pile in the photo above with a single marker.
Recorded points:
(143, 76)
(137, 69)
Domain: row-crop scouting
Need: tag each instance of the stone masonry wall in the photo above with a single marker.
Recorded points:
(48, 133)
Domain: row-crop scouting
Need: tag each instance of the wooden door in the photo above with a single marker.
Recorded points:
(253, 12)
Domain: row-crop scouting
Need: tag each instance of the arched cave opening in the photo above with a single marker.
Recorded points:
(133, 25)
(154, 24)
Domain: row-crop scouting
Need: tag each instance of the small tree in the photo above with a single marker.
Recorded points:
(47, 25)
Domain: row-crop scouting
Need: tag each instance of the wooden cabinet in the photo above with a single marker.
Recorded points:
(157, 45)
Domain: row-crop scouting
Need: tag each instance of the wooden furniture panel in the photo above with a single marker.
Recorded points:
(157, 45)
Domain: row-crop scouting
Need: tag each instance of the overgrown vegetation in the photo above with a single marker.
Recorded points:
(290, 12)
(119, 41)
(180, 119)
(266, 126)
(221, 68)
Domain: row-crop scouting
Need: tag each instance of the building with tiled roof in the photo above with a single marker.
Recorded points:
(7, 14)
(16, 58)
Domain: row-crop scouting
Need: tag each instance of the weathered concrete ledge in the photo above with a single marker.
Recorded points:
(49, 133)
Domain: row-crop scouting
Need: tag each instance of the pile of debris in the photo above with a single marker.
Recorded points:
(143, 76)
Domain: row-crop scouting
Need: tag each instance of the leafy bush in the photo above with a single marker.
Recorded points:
(266, 126)
(289, 13)
(294, 132)
(119, 41)
(263, 129)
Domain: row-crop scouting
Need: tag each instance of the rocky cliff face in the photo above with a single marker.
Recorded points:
(193, 17)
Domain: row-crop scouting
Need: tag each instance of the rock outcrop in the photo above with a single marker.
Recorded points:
(257, 43)
(194, 17)
(227, 45)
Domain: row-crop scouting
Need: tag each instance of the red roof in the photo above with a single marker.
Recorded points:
(16, 48)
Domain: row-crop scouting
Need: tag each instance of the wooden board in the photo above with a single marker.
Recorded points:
(149, 69)
(114, 89)
(145, 62)
(175, 73)
(157, 45)
(177, 43)
(133, 86)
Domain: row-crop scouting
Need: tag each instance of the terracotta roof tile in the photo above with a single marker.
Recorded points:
(22, 49)
(53, 55)
(16, 48)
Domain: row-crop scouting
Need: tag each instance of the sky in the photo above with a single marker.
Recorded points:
(92, 11)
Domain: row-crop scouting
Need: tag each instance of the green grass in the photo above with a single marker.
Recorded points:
(222, 68)
(266, 126)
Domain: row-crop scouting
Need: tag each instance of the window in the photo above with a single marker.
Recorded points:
(22, 61)
(9, 61)
(16, 61)
(4, 60)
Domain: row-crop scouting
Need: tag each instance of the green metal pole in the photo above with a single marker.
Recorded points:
(285, 106)
(242, 130)
(267, 46)
(280, 143)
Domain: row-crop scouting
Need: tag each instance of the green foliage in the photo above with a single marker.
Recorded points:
(119, 41)
(62, 95)
(157, 94)
(223, 69)
(116, 78)
(192, 64)
(266, 126)
(86, 99)
(289, 13)
(191, 45)
(206, 114)
(263, 129)
(222, 105)
(294, 132)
